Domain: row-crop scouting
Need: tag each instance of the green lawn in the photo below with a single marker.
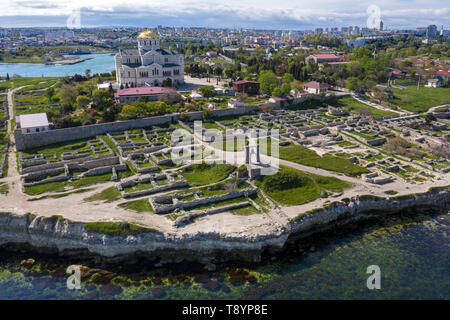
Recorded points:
(58, 148)
(3, 188)
(70, 185)
(228, 145)
(420, 100)
(303, 155)
(108, 195)
(294, 187)
(116, 228)
(211, 126)
(142, 205)
(204, 173)
(352, 105)
(23, 81)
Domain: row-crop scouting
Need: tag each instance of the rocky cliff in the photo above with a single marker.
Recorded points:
(56, 234)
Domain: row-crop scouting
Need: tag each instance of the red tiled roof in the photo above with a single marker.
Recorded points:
(339, 62)
(325, 56)
(282, 98)
(244, 81)
(143, 91)
(316, 85)
(443, 72)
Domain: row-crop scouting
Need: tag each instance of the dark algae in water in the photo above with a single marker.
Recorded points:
(412, 252)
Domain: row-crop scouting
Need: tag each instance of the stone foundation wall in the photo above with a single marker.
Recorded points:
(158, 203)
(32, 140)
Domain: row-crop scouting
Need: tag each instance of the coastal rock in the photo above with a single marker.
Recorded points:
(28, 263)
(158, 293)
(210, 267)
(68, 237)
(110, 290)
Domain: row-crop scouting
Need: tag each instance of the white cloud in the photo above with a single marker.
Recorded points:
(199, 12)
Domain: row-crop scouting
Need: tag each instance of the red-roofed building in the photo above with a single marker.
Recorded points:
(245, 86)
(325, 57)
(396, 73)
(316, 87)
(144, 93)
(443, 74)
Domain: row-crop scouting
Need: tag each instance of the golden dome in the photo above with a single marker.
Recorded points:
(147, 35)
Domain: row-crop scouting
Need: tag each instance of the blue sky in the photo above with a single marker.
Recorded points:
(263, 14)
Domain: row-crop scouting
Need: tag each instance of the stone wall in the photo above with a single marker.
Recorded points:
(159, 204)
(2, 164)
(26, 141)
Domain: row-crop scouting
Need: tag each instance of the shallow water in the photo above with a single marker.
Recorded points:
(98, 63)
(412, 252)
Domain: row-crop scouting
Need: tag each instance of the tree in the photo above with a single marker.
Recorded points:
(297, 86)
(208, 91)
(285, 89)
(83, 101)
(49, 93)
(7, 76)
(87, 72)
(242, 97)
(68, 94)
(166, 82)
(351, 83)
(288, 78)
(101, 98)
(268, 81)
(207, 114)
(184, 117)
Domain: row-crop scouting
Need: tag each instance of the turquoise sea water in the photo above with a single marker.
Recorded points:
(412, 251)
(97, 64)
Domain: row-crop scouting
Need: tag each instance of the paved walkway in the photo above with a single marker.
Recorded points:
(379, 107)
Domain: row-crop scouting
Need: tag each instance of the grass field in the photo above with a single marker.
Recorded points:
(3, 188)
(24, 81)
(420, 100)
(142, 205)
(352, 105)
(303, 155)
(70, 185)
(294, 187)
(108, 195)
(204, 173)
(116, 228)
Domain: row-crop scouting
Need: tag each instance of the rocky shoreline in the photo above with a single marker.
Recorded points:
(68, 238)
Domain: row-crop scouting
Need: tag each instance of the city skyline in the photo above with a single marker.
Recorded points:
(300, 15)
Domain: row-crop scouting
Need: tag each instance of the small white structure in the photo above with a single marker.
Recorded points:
(30, 123)
(196, 95)
(107, 84)
(233, 103)
(434, 83)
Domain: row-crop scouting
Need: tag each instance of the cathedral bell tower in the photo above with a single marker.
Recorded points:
(147, 41)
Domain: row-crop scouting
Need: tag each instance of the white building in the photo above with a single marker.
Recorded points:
(434, 83)
(149, 65)
(30, 123)
(233, 103)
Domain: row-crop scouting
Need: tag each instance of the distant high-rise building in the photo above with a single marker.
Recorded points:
(356, 30)
(431, 32)
(380, 25)
(344, 29)
(319, 30)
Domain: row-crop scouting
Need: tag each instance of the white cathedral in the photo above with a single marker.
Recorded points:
(148, 65)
